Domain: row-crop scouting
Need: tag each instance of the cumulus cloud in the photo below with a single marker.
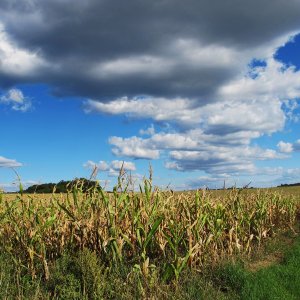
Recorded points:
(247, 108)
(113, 168)
(16, 100)
(221, 160)
(273, 79)
(285, 147)
(9, 163)
(149, 131)
(196, 150)
(127, 165)
(215, 137)
(177, 110)
(101, 165)
(259, 100)
(132, 147)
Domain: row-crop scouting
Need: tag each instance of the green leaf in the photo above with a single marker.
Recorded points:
(171, 244)
(153, 230)
(66, 211)
(184, 262)
(168, 273)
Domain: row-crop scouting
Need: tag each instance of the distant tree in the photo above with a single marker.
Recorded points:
(291, 184)
(62, 186)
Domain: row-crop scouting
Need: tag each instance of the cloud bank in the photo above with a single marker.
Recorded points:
(106, 50)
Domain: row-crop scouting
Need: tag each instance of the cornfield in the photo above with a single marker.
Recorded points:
(146, 229)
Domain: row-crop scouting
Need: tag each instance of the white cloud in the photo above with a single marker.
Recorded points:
(101, 165)
(276, 80)
(15, 61)
(134, 147)
(16, 99)
(113, 168)
(195, 150)
(9, 163)
(285, 147)
(259, 100)
(259, 115)
(289, 147)
(263, 116)
(179, 110)
(127, 165)
(148, 131)
(216, 136)
(221, 160)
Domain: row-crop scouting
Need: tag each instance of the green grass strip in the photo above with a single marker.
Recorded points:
(279, 281)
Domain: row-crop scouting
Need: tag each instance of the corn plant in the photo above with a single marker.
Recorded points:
(150, 230)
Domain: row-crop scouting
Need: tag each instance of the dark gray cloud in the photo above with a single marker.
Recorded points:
(111, 28)
(108, 49)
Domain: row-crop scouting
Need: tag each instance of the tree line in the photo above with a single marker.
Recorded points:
(63, 186)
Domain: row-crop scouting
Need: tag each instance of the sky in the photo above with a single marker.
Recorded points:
(204, 91)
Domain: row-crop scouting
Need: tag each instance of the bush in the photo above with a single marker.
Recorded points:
(78, 277)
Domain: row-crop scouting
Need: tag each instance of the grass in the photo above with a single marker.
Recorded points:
(277, 281)
(83, 276)
(148, 245)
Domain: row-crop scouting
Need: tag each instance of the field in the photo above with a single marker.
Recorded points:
(124, 245)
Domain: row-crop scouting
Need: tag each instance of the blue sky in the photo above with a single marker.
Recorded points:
(204, 93)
